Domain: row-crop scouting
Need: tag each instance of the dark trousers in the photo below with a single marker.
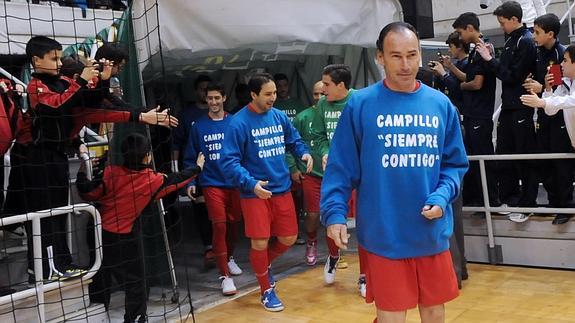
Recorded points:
(39, 180)
(516, 135)
(478, 141)
(556, 174)
(123, 261)
(457, 240)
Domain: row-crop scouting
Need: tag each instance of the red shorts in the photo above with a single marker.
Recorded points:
(311, 192)
(272, 217)
(223, 204)
(401, 284)
(351, 204)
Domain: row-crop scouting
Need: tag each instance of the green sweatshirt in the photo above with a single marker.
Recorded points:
(291, 107)
(303, 122)
(325, 122)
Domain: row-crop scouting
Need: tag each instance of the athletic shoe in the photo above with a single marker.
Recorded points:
(362, 285)
(233, 267)
(329, 269)
(503, 212)
(271, 277)
(561, 219)
(518, 217)
(271, 302)
(311, 253)
(299, 240)
(209, 259)
(228, 287)
(342, 263)
(67, 274)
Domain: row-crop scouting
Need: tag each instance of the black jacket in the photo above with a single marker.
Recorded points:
(516, 62)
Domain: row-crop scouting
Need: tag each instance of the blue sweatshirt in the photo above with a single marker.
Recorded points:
(207, 136)
(255, 147)
(401, 151)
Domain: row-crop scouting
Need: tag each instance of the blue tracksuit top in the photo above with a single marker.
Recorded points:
(207, 136)
(401, 151)
(255, 147)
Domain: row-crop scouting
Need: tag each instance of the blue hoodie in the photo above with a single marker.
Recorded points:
(401, 151)
(254, 150)
(207, 136)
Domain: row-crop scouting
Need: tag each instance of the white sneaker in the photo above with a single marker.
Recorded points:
(233, 267)
(362, 286)
(329, 271)
(519, 217)
(503, 212)
(228, 287)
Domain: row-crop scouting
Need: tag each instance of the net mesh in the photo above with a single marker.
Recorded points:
(58, 260)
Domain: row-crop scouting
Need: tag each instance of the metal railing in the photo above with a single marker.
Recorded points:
(40, 288)
(488, 209)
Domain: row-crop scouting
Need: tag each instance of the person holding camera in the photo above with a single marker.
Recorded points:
(39, 179)
(451, 74)
(478, 91)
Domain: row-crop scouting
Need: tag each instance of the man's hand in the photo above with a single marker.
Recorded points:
(338, 232)
(161, 118)
(89, 71)
(483, 51)
(296, 177)
(532, 100)
(438, 69)
(201, 160)
(106, 69)
(446, 61)
(261, 192)
(532, 86)
(432, 212)
(191, 191)
(324, 162)
(309, 162)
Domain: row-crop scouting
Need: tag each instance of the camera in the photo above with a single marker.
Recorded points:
(99, 67)
(431, 64)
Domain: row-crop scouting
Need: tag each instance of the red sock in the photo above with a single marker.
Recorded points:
(232, 237)
(312, 236)
(362, 260)
(276, 249)
(259, 261)
(219, 247)
(333, 248)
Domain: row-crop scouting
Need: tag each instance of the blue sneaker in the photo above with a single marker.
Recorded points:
(271, 278)
(271, 302)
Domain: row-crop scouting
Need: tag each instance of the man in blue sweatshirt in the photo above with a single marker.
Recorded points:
(398, 142)
(253, 155)
(222, 200)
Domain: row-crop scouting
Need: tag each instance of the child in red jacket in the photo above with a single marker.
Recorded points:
(122, 193)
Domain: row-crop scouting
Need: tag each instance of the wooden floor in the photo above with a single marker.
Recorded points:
(492, 294)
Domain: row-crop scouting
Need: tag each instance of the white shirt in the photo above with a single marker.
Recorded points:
(563, 99)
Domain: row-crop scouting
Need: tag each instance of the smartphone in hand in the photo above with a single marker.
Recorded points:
(555, 69)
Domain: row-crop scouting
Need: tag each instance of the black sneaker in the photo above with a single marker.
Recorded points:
(562, 219)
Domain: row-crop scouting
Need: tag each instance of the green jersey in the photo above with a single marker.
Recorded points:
(325, 122)
(303, 122)
(291, 107)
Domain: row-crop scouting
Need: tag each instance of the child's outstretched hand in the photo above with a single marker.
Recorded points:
(201, 160)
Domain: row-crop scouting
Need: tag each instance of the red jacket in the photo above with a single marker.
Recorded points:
(58, 110)
(123, 193)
